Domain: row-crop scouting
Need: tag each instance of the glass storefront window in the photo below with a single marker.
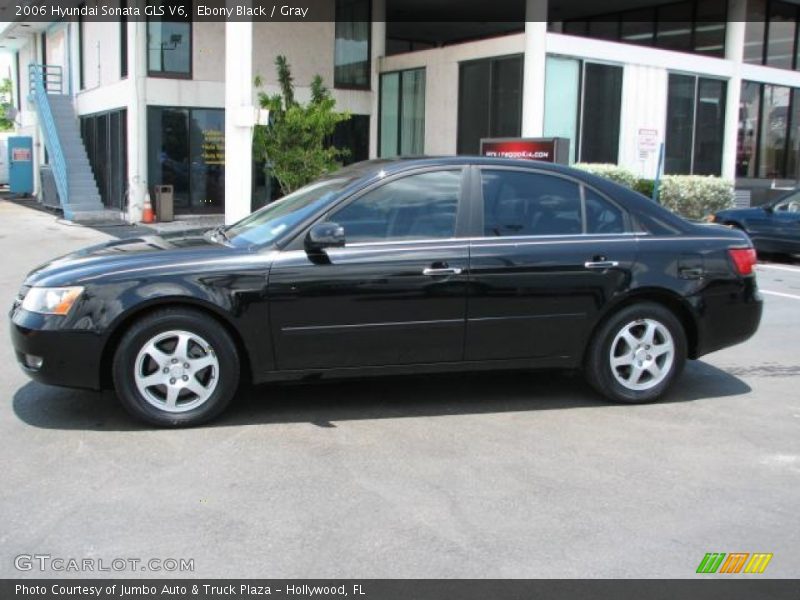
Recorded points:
(207, 154)
(390, 114)
(561, 100)
(695, 125)
(793, 156)
(771, 34)
(709, 27)
(689, 26)
(709, 127)
(583, 101)
(104, 136)
(412, 107)
(774, 130)
(489, 101)
(474, 100)
(749, 121)
(402, 113)
(638, 26)
(781, 35)
(769, 132)
(675, 27)
(169, 42)
(186, 149)
(602, 102)
(680, 124)
(352, 44)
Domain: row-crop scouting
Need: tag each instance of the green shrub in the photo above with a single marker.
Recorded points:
(690, 196)
(645, 187)
(615, 173)
(695, 196)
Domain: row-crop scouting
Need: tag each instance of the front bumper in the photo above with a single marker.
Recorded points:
(70, 358)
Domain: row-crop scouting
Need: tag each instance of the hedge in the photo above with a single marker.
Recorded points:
(691, 196)
(695, 196)
(615, 173)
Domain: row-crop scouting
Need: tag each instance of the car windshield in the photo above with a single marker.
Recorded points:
(790, 203)
(267, 224)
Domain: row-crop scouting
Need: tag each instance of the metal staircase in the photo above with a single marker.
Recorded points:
(77, 189)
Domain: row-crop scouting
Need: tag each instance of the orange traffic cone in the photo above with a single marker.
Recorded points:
(147, 213)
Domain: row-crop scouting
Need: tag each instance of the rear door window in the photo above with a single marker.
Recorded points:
(519, 203)
(603, 216)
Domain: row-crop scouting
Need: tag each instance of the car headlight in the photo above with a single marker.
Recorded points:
(51, 301)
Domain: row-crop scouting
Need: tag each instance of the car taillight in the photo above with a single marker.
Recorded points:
(744, 259)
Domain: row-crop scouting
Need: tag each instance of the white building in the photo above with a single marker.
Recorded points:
(163, 102)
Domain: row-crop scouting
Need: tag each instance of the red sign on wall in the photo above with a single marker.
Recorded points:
(544, 149)
(21, 154)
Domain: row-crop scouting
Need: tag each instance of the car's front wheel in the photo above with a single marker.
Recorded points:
(637, 354)
(176, 367)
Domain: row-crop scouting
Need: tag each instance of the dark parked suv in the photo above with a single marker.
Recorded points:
(395, 267)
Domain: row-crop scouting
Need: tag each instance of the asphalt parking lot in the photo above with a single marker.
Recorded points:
(471, 475)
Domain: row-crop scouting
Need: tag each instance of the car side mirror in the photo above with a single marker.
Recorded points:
(769, 208)
(325, 235)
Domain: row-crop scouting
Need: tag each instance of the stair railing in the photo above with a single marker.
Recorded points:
(44, 80)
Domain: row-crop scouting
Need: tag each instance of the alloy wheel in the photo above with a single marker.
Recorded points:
(642, 354)
(176, 371)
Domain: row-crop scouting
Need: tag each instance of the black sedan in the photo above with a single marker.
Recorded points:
(390, 267)
(774, 227)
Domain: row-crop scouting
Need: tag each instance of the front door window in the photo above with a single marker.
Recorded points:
(420, 206)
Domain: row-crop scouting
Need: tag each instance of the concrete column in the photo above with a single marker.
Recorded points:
(533, 76)
(734, 52)
(137, 120)
(239, 119)
(378, 43)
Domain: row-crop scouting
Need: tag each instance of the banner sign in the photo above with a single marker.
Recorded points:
(553, 150)
(395, 589)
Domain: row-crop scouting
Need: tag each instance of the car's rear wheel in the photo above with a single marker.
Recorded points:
(637, 354)
(176, 367)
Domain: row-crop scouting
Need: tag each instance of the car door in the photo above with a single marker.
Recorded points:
(393, 295)
(552, 254)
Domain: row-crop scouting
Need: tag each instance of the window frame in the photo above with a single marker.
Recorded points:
(477, 212)
(337, 85)
(171, 74)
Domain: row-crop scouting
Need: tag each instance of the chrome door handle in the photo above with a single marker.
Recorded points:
(601, 264)
(444, 271)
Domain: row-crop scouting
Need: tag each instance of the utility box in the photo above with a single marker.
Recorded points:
(20, 165)
(165, 203)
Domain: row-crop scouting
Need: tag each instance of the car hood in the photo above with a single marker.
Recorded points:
(133, 256)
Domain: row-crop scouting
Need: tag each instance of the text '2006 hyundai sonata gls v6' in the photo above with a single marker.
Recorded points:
(394, 267)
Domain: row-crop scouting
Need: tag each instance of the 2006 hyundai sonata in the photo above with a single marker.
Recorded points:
(395, 267)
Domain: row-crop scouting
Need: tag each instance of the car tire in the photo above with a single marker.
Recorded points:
(636, 354)
(176, 368)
